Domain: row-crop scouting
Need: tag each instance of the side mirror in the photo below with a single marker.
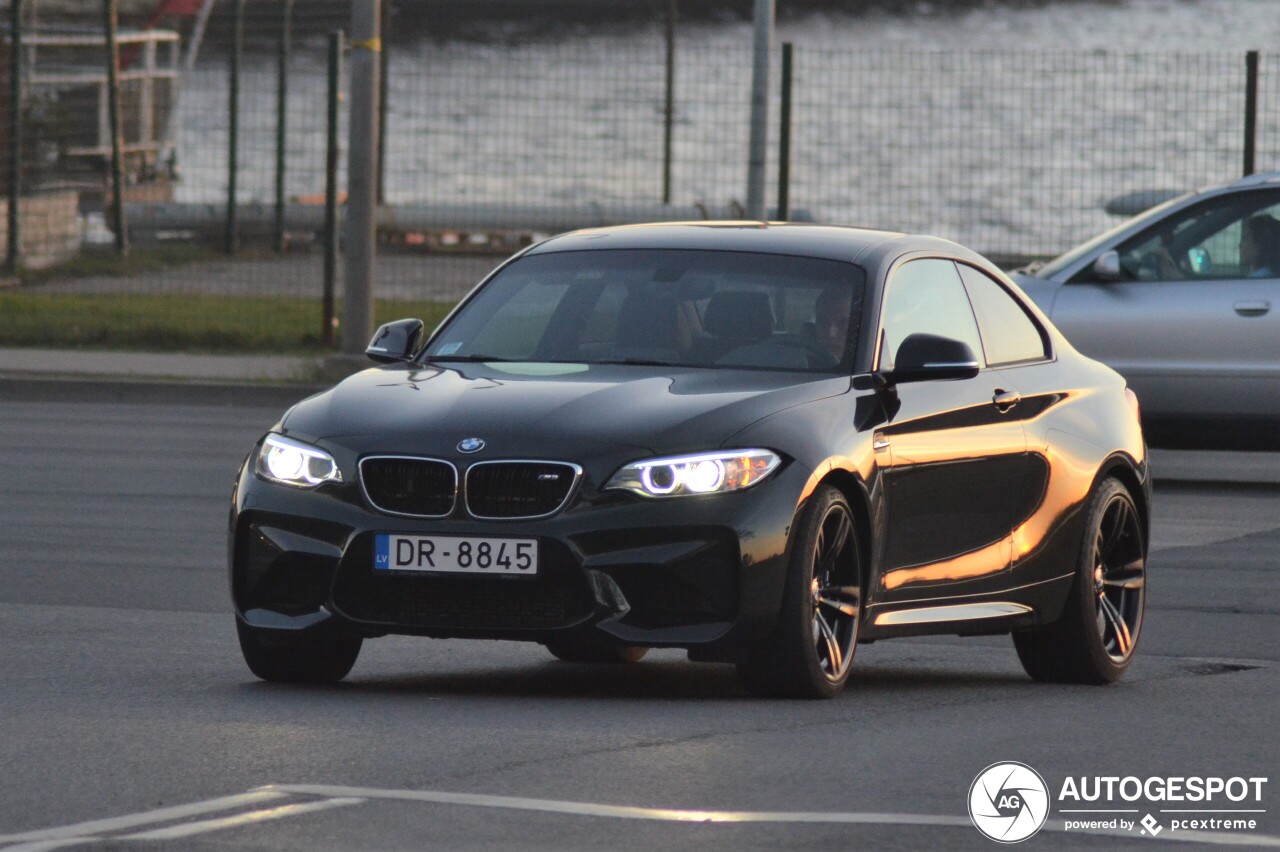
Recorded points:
(395, 341)
(930, 357)
(1107, 266)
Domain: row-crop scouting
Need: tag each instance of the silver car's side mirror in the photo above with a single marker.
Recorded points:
(1107, 266)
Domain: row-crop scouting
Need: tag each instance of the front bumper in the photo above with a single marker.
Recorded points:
(703, 573)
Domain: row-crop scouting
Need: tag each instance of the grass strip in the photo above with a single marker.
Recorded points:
(180, 323)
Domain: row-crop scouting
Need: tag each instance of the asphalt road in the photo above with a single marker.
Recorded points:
(123, 696)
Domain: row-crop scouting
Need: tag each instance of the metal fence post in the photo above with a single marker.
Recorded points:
(759, 141)
(13, 256)
(1250, 110)
(362, 177)
(233, 125)
(669, 108)
(382, 110)
(784, 137)
(282, 115)
(112, 20)
(329, 319)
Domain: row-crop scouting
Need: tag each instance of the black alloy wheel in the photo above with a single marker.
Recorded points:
(1094, 639)
(1119, 578)
(811, 650)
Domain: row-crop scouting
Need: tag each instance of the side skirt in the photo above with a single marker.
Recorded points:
(979, 615)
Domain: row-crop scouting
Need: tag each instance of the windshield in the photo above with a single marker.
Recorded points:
(1061, 262)
(670, 307)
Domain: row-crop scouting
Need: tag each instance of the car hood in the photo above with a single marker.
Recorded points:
(523, 408)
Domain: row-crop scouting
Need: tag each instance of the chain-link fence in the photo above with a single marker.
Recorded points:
(493, 143)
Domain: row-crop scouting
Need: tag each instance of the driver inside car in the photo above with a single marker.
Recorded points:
(831, 320)
(1158, 263)
(1260, 247)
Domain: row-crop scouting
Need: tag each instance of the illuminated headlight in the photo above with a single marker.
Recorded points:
(294, 463)
(706, 473)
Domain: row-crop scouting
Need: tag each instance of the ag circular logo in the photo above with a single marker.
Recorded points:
(470, 445)
(1008, 802)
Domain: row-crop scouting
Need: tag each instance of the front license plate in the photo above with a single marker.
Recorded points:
(456, 554)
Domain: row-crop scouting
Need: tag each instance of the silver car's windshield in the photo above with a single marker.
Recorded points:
(719, 309)
(1081, 251)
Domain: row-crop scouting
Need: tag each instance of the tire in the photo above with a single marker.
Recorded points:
(296, 659)
(810, 652)
(589, 649)
(1094, 639)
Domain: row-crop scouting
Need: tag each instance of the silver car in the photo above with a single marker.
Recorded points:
(1184, 301)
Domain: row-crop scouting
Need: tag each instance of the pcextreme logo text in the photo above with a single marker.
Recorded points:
(1179, 803)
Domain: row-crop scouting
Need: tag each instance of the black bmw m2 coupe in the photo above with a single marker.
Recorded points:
(760, 443)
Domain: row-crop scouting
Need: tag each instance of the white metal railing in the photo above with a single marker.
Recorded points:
(78, 61)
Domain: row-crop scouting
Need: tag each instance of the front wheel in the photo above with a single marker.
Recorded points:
(276, 655)
(1094, 639)
(811, 649)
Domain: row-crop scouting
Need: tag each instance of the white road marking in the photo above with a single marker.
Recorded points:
(678, 815)
(331, 796)
(614, 811)
(46, 845)
(174, 832)
(97, 826)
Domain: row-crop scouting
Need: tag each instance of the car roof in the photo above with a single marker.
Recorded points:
(1258, 179)
(865, 246)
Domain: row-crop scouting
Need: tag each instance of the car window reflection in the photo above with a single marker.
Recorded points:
(733, 310)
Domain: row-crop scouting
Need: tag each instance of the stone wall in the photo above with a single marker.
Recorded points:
(50, 228)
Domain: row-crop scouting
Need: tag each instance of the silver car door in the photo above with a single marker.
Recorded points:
(1195, 324)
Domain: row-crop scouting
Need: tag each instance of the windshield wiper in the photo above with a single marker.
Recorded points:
(637, 362)
(465, 359)
(477, 359)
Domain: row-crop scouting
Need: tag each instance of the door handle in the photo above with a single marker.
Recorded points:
(1252, 309)
(1005, 400)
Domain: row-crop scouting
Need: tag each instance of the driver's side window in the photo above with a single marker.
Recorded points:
(1155, 257)
(1218, 240)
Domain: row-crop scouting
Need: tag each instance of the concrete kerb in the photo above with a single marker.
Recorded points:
(28, 362)
(37, 375)
(81, 390)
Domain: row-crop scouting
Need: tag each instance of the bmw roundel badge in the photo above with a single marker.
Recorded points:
(471, 445)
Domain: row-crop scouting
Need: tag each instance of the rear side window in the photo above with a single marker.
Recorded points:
(1009, 334)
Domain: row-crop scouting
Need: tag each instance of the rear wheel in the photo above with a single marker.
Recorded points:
(811, 649)
(589, 649)
(1094, 639)
(277, 655)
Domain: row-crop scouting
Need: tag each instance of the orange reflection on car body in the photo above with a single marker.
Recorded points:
(991, 559)
(1070, 478)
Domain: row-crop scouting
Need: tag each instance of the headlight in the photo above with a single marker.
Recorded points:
(706, 473)
(294, 463)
